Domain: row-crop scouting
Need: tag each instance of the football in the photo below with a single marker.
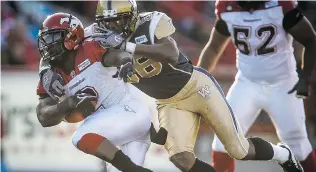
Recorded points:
(77, 115)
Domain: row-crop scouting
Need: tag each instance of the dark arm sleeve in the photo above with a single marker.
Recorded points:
(291, 18)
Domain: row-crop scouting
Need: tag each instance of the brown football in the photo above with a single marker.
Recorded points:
(76, 116)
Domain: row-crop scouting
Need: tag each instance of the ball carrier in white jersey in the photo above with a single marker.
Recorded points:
(119, 118)
(262, 32)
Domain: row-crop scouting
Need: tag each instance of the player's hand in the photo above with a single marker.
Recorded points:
(84, 102)
(126, 70)
(53, 83)
(107, 38)
(301, 88)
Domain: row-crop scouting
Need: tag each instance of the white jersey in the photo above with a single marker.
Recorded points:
(90, 76)
(264, 48)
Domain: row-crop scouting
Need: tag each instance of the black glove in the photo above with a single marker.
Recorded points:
(83, 102)
(159, 137)
(301, 87)
(53, 83)
(127, 69)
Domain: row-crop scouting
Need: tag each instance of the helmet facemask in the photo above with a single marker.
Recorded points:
(123, 23)
(51, 44)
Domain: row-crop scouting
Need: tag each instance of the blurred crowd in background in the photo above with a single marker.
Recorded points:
(20, 22)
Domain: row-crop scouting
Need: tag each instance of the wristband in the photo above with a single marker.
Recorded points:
(130, 47)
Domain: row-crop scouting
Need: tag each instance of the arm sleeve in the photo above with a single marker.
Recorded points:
(221, 27)
(292, 18)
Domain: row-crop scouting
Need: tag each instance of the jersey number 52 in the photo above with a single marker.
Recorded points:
(265, 33)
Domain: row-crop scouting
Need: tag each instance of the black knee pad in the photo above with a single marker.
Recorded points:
(262, 149)
(183, 160)
(200, 166)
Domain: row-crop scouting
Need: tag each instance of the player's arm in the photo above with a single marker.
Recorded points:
(165, 48)
(215, 46)
(302, 31)
(298, 54)
(116, 57)
(50, 112)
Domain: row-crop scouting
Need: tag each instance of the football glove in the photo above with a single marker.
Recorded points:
(84, 102)
(53, 83)
(126, 70)
(107, 38)
(301, 87)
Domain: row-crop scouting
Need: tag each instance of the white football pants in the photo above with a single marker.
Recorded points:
(248, 98)
(125, 125)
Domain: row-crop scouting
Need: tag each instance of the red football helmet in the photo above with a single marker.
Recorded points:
(59, 33)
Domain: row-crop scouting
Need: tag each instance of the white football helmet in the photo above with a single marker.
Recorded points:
(119, 16)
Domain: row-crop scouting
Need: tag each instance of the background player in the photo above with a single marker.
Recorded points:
(261, 32)
(117, 118)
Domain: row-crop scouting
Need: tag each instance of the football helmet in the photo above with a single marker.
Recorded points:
(118, 16)
(59, 33)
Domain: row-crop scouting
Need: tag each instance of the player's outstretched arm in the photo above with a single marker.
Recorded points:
(164, 50)
(215, 46)
(115, 57)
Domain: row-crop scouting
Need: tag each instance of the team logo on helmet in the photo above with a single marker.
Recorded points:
(73, 22)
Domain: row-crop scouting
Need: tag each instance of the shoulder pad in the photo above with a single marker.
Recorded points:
(94, 48)
(161, 25)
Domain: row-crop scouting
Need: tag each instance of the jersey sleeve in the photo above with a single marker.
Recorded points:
(164, 26)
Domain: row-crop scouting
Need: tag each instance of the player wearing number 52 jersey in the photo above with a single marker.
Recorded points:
(262, 33)
(184, 93)
(113, 114)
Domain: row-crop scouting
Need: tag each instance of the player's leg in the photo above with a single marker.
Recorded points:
(243, 99)
(182, 127)
(117, 125)
(287, 113)
(216, 111)
(135, 150)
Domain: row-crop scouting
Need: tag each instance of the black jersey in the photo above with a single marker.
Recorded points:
(156, 79)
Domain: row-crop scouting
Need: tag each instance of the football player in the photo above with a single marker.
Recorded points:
(262, 33)
(118, 118)
(184, 93)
